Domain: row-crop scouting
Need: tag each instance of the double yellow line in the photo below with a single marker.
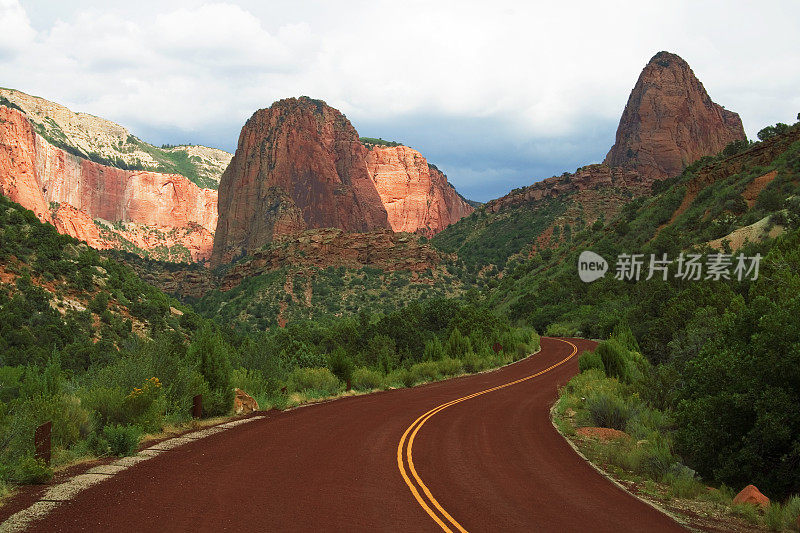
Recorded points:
(404, 449)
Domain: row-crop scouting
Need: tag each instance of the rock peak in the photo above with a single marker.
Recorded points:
(666, 59)
(670, 121)
(298, 165)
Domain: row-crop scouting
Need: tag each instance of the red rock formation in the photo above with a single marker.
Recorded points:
(243, 403)
(37, 175)
(322, 248)
(298, 165)
(670, 121)
(584, 179)
(750, 494)
(416, 195)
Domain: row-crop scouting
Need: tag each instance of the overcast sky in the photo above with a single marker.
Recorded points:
(498, 94)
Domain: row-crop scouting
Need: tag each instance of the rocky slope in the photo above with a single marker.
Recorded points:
(106, 206)
(300, 165)
(416, 195)
(108, 143)
(670, 121)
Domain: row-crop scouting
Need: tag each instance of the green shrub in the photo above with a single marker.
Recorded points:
(747, 511)
(658, 459)
(608, 411)
(122, 440)
(791, 511)
(560, 330)
(473, 363)
(683, 485)
(402, 376)
(434, 350)
(97, 444)
(590, 359)
(316, 380)
(615, 359)
(365, 379)
(450, 367)
(30, 470)
(340, 365)
(217, 402)
(425, 371)
(457, 345)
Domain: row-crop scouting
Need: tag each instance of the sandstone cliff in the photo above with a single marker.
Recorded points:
(109, 143)
(84, 199)
(670, 121)
(298, 165)
(416, 195)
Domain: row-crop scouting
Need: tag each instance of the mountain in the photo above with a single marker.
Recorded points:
(300, 165)
(416, 194)
(151, 213)
(107, 143)
(670, 121)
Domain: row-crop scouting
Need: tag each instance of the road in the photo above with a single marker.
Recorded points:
(488, 462)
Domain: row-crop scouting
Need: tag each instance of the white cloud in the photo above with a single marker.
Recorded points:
(541, 73)
(15, 29)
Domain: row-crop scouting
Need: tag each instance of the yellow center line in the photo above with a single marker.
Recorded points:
(407, 443)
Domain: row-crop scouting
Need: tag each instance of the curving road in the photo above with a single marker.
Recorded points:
(476, 453)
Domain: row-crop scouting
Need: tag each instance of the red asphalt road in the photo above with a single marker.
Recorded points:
(494, 463)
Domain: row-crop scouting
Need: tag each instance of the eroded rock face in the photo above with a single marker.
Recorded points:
(298, 165)
(71, 192)
(670, 121)
(415, 194)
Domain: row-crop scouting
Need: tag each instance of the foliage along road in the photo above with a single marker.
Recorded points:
(476, 453)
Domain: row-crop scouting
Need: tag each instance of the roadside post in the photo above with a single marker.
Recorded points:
(42, 442)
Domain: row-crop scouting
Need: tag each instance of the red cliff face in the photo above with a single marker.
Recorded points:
(670, 121)
(416, 195)
(71, 192)
(299, 165)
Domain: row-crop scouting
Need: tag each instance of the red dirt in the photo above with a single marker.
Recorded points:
(494, 462)
(603, 434)
(755, 187)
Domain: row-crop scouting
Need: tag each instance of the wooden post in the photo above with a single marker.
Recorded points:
(197, 406)
(497, 347)
(349, 385)
(42, 442)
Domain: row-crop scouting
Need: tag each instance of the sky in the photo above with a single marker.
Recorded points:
(497, 94)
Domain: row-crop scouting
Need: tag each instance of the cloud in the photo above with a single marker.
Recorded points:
(498, 94)
(15, 29)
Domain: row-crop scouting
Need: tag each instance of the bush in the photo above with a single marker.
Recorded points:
(318, 380)
(450, 367)
(591, 359)
(122, 440)
(615, 359)
(560, 330)
(683, 485)
(365, 379)
(779, 517)
(32, 470)
(608, 411)
(473, 363)
(340, 365)
(425, 371)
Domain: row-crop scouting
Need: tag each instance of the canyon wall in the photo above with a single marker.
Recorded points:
(71, 192)
(300, 165)
(416, 195)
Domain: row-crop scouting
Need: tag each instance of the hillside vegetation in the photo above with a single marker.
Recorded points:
(722, 354)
